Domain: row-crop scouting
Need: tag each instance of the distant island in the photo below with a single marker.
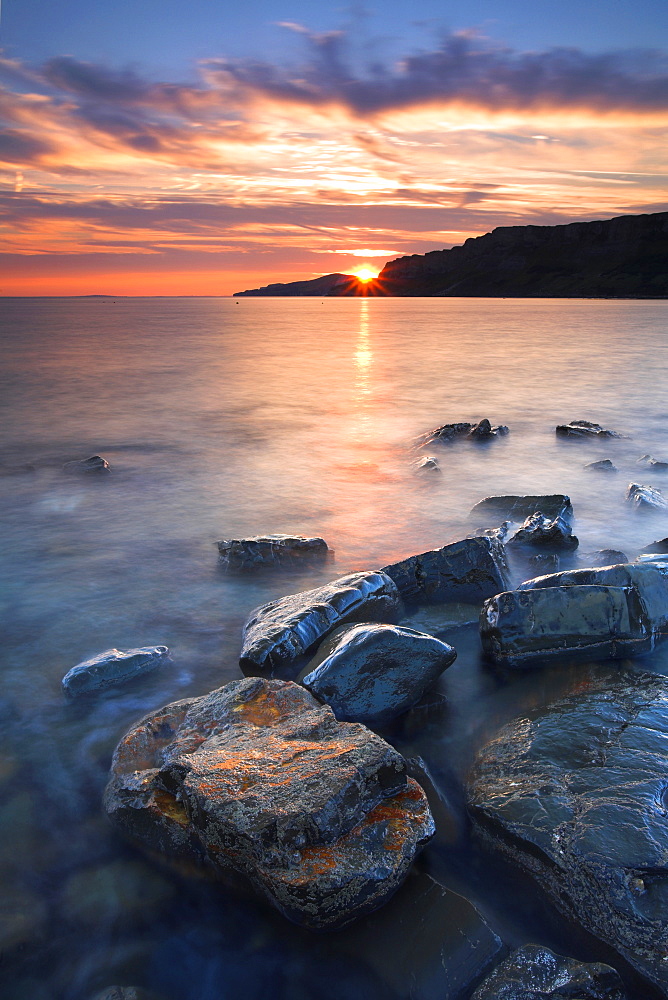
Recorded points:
(625, 257)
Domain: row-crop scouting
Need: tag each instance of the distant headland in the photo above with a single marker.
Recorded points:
(625, 257)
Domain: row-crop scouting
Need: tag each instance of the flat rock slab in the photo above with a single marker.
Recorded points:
(645, 497)
(518, 508)
(526, 628)
(465, 571)
(540, 532)
(241, 555)
(113, 667)
(260, 778)
(577, 797)
(277, 634)
(584, 429)
(371, 673)
(536, 973)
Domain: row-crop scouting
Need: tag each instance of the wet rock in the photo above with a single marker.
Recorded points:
(518, 508)
(660, 547)
(94, 464)
(260, 778)
(500, 533)
(540, 532)
(535, 973)
(111, 668)
(645, 497)
(240, 555)
(608, 557)
(525, 628)
(584, 428)
(468, 570)
(576, 796)
(484, 430)
(544, 562)
(125, 993)
(605, 465)
(450, 432)
(118, 892)
(372, 673)
(278, 633)
(427, 464)
(652, 463)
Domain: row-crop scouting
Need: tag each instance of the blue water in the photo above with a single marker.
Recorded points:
(220, 419)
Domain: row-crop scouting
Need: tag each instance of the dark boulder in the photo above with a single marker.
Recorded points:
(125, 993)
(645, 497)
(113, 667)
(576, 796)
(469, 570)
(608, 557)
(605, 465)
(93, 464)
(500, 533)
(260, 778)
(518, 508)
(372, 673)
(539, 532)
(279, 633)
(483, 431)
(535, 973)
(261, 551)
(584, 428)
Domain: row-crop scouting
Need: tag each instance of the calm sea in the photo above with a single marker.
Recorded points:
(223, 418)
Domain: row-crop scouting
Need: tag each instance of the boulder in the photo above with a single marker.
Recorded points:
(469, 570)
(660, 547)
(536, 973)
(500, 533)
(526, 628)
(261, 551)
(427, 464)
(113, 667)
(277, 634)
(371, 673)
(652, 463)
(576, 797)
(93, 464)
(447, 433)
(540, 532)
(544, 562)
(483, 431)
(259, 778)
(125, 993)
(609, 557)
(584, 428)
(518, 508)
(645, 497)
(605, 465)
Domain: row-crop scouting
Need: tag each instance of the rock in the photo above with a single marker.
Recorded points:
(525, 628)
(535, 973)
(447, 433)
(605, 465)
(544, 562)
(609, 557)
(93, 464)
(518, 508)
(643, 497)
(113, 667)
(260, 778)
(652, 463)
(468, 571)
(483, 431)
(372, 673)
(500, 533)
(577, 797)
(584, 428)
(660, 547)
(261, 551)
(278, 633)
(540, 532)
(427, 464)
(125, 993)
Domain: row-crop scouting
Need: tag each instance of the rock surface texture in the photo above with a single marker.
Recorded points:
(113, 667)
(535, 973)
(584, 428)
(577, 797)
(239, 555)
(645, 497)
(469, 570)
(539, 532)
(260, 778)
(518, 508)
(279, 633)
(371, 673)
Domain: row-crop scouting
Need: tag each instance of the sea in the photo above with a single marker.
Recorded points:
(223, 418)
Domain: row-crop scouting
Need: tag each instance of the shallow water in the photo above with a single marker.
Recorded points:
(220, 419)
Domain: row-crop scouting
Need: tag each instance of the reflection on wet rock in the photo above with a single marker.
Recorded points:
(113, 667)
(465, 571)
(239, 555)
(535, 973)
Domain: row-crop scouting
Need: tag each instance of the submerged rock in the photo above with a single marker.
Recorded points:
(260, 778)
(535, 973)
(93, 464)
(279, 633)
(436, 618)
(540, 532)
(652, 463)
(261, 551)
(518, 508)
(584, 428)
(544, 562)
(605, 465)
(468, 570)
(113, 667)
(609, 557)
(643, 497)
(529, 627)
(372, 673)
(577, 797)
(427, 464)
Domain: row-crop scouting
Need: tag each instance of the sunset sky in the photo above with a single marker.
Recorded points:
(201, 148)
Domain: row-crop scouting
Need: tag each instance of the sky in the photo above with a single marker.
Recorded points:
(155, 147)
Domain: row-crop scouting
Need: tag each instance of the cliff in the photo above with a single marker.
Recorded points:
(322, 286)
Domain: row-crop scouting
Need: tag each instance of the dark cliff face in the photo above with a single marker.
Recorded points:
(325, 285)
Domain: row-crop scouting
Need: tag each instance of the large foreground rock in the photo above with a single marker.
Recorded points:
(466, 571)
(577, 796)
(260, 778)
(372, 673)
(518, 508)
(277, 634)
(113, 667)
(240, 555)
(535, 973)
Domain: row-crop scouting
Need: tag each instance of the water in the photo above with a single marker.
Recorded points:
(222, 419)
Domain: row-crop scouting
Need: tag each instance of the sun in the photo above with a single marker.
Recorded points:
(365, 273)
